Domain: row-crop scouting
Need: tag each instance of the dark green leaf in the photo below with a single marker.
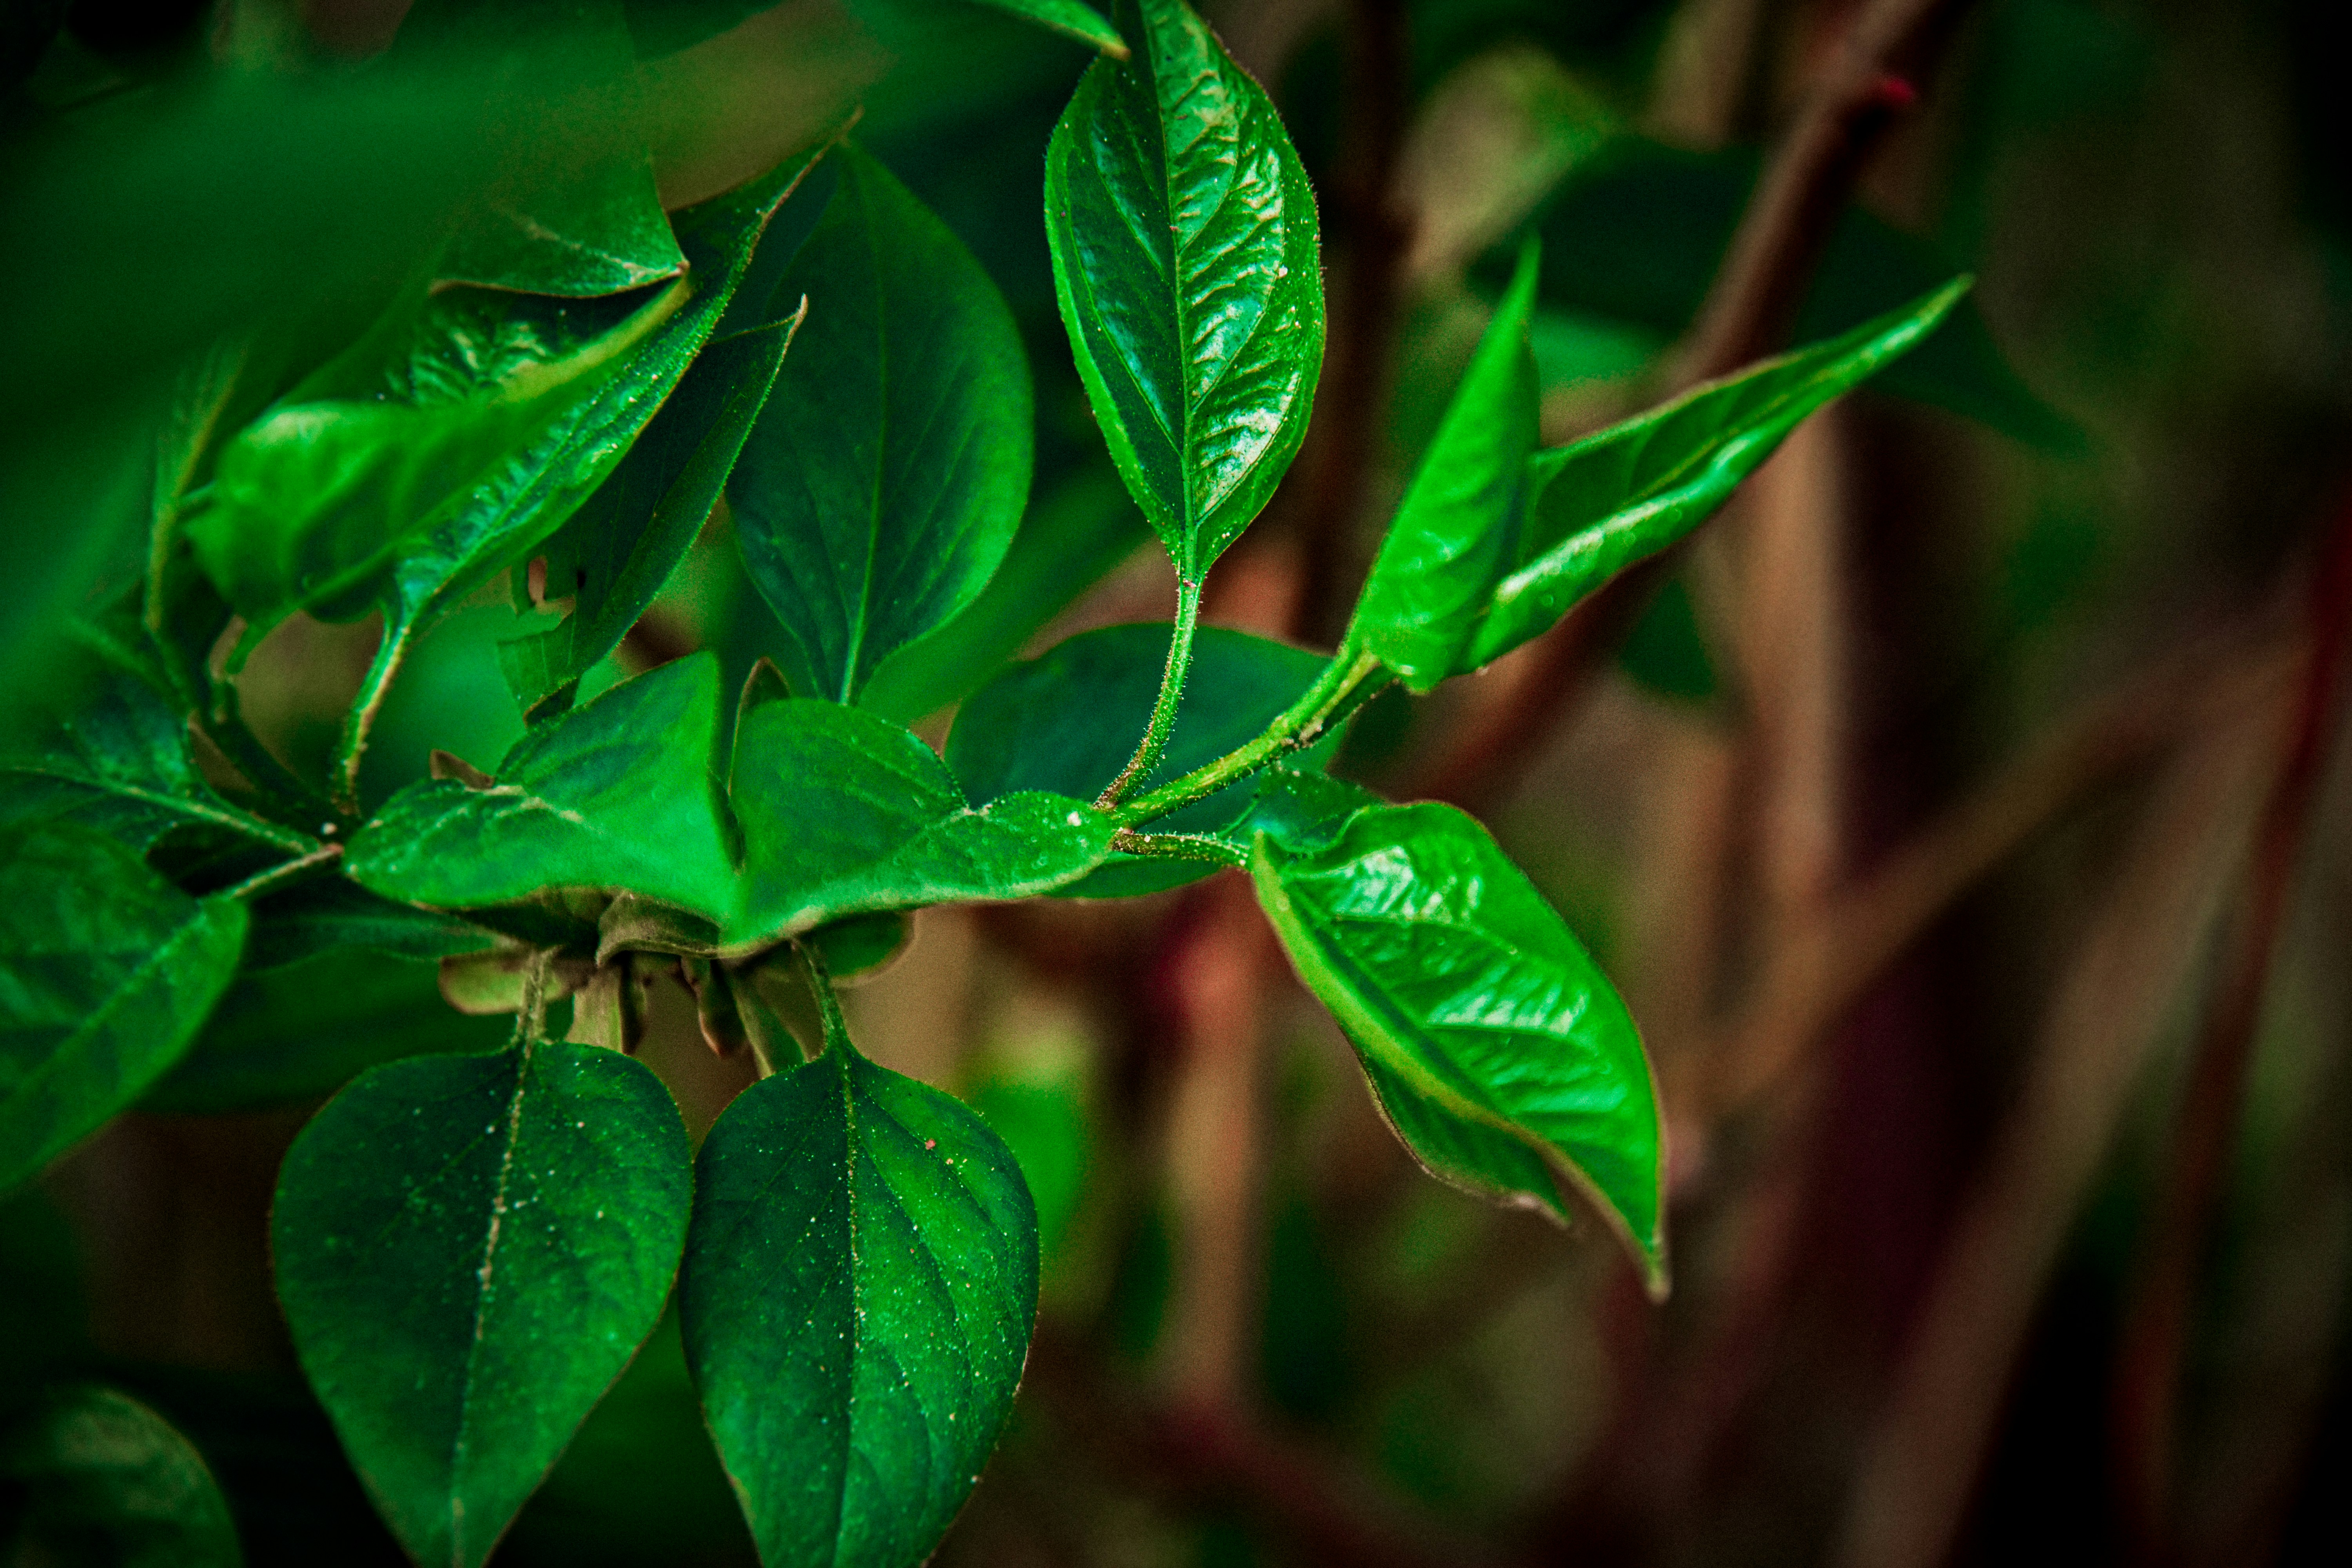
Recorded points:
(469, 1250)
(616, 553)
(885, 479)
(1067, 721)
(104, 1480)
(1487, 1031)
(1628, 491)
(1301, 811)
(857, 1299)
(301, 1031)
(1185, 258)
(584, 231)
(617, 796)
(1457, 530)
(106, 972)
(846, 813)
(1071, 18)
(1064, 546)
(334, 914)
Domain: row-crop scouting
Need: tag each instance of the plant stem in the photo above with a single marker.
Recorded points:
(828, 1005)
(1350, 679)
(261, 884)
(1148, 751)
(365, 705)
(1178, 846)
(530, 1019)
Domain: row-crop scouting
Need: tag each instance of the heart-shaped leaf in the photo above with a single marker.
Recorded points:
(885, 479)
(1185, 258)
(1493, 1041)
(858, 1297)
(100, 1478)
(469, 1250)
(106, 973)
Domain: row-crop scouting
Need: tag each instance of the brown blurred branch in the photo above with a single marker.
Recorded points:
(1868, 82)
(2156, 1329)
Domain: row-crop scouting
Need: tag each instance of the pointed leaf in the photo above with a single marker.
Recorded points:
(1455, 531)
(857, 1298)
(106, 972)
(885, 479)
(1185, 258)
(1601, 504)
(469, 1250)
(1484, 1024)
(1066, 721)
(585, 231)
(1071, 18)
(101, 1478)
(845, 814)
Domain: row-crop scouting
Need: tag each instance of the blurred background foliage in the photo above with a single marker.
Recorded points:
(1917, 810)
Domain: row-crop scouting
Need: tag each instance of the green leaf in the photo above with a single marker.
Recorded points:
(885, 479)
(583, 232)
(1488, 1033)
(119, 761)
(469, 1250)
(333, 914)
(1601, 504)
(1456, 529)
(846, 813)
(1071, 18)
(857, 1298)
(301, 1031)
(615, 796)
(1066, 721)
(1185, 258)
(614, 556)
(1065, 545)
(102, 1478)
(106, 972)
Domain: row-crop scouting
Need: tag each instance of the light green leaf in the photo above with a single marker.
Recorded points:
(845, 814)
(101, 1478)
(1457, 528)
(885, 479)
(1487, 1029)
(1066, 721)
(1601, 504)
(1185, 258)
(106, 972)
(857, 1298)
(469, 1250)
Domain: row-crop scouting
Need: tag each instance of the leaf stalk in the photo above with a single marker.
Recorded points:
(1154, 745)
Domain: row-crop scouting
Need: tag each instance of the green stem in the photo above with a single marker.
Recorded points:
(1148, 750)
(828, 1005)
(1179, 847)
(261, 884)
(365, 705)
(1347, 683)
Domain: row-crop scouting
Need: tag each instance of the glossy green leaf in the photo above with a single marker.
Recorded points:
(844, 812)
(1066, 721)
(857, 1298)
(1488, 1032)
(300, 1031)
(1071, 18)
(886, 478)
(1457, 530)
(614, 556)
(1185, 258)
(615, 796)
(598, 229)
(469, 1250)
(106, 972)
(1628, 491)
(100, 1478)
(1067, 545)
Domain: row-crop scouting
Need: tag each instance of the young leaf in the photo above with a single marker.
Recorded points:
(1601, 504)
(1185, 258)
(858, 1291)
(1066, 721)
(1485, 1026)
(100, 1478)
(1071, 18)
(885, 479)
(614, 556)
(1458, 524)
(469, 1250)
(301, 1031)
(106, 972)
(617, 796)
(846, 813)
